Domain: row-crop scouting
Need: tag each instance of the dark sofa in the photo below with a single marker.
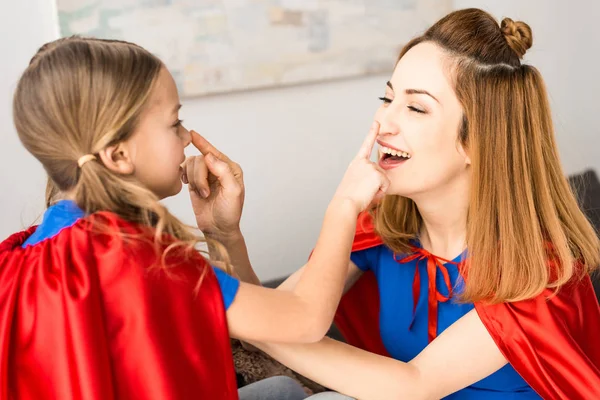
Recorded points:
(587, 188)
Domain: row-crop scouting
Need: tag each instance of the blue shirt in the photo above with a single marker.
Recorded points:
(66, 213)
(395, 282)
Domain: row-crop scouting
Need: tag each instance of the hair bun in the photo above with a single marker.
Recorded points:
(518, 35)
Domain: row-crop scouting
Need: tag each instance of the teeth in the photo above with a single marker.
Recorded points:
(387, 150)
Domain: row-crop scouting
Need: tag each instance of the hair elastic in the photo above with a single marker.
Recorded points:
(83, 159)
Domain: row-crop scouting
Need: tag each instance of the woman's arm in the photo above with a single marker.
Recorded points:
(462, 355)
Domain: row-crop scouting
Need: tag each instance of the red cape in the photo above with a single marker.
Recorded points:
(552, 343)
(83, 317)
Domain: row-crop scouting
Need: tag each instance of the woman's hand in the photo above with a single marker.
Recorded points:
(364, 182)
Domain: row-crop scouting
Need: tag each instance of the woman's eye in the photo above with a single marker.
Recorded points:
(415, 109)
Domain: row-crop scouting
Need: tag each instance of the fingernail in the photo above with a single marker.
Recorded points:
(205, 193)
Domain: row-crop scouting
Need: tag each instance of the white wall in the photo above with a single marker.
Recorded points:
(294, 143)
(24, 27)
(566, 50)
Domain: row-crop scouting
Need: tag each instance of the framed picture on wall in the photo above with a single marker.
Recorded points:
(215, 46)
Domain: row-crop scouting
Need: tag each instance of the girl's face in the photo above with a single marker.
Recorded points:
(156, 148)
(419, 119)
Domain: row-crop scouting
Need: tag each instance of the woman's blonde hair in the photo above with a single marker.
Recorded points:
(78, 96)
(522, 210)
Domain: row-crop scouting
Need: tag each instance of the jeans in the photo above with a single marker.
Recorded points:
(283, 388)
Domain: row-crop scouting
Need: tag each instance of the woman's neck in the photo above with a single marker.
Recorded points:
(444, 230)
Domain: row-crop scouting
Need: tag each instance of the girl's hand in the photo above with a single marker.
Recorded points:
(216, 187)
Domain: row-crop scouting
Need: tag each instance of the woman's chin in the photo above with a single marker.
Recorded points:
(400, 190)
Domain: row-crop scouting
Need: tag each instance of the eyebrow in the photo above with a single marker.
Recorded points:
(420, 91)
(414, 91)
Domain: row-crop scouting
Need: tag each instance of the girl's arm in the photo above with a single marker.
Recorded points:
(235, 245)
(217, 201)
(304, 314)
(352, 276)
(462, 355)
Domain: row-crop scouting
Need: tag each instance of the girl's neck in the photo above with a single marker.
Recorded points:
(63, 196)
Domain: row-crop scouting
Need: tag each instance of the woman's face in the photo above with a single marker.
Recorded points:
(420, 118)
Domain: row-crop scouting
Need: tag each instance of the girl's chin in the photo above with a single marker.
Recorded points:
(174, 190)
(177, 188)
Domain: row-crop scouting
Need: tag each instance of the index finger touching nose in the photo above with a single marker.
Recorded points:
(203, 145)
(367, 146)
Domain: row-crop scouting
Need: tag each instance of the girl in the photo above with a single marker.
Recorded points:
(107, 298)
(479, 254)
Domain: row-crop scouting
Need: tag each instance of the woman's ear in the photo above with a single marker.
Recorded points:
(464, 154)
(118, 158)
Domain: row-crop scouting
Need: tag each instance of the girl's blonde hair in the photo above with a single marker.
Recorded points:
(78, 96)
(521, 203)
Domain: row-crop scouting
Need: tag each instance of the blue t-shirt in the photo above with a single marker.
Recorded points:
(395, 282)
(66, 213)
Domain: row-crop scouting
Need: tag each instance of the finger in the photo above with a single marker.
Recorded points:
(184, 178)
(367, 147)
(381, 192)
(385, 184)
(383, 178)
(224, 174)
(189, 172)
(197, 175)
(205, 147)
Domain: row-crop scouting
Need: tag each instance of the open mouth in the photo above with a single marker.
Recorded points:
(393, 155)
(390, 157)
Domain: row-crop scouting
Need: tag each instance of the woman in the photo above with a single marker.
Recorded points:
(480, 251)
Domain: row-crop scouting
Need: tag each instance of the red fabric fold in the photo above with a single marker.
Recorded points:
(83, 316)
(551, 341)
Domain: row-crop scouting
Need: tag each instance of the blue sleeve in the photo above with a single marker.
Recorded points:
(360, 259)
(229, 286)
(365, 259)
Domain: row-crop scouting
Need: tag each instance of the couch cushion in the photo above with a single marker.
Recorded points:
(587, 188)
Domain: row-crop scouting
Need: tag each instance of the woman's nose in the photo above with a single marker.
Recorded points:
(388, 119)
